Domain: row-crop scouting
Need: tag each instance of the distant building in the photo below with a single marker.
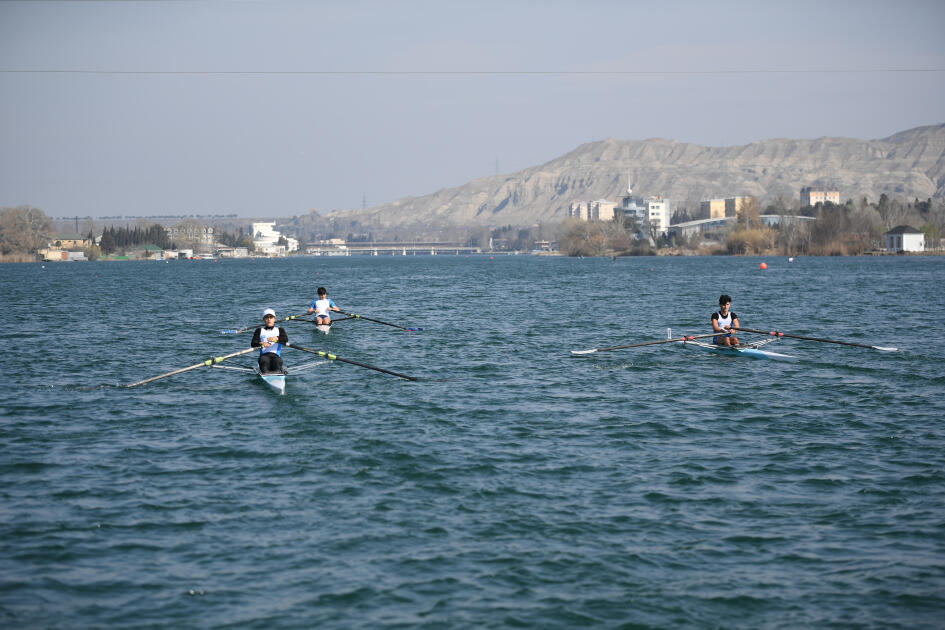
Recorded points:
(191, 233)
(266, 238)
(600, 210)
(712, 208)
(720, 208)
(905, 238)
(658, 213)
(56, 255)
(633, 207)
(71, 241)
(811, 197)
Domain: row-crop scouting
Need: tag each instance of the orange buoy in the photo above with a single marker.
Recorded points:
(763, 266)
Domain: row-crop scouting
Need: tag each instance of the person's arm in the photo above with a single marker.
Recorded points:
(734, 326)
(715, 323)
(255, 343)
(283, 337)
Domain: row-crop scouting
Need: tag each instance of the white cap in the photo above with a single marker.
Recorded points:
(269, 311)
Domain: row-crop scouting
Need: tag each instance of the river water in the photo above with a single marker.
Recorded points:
(513, 485)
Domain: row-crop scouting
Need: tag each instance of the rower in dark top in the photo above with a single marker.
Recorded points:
(269, 338)
(725, 322)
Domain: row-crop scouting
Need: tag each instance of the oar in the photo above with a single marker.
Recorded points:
(645, 343)
(776, 333)
(208, 363)
(377, 321)
(332, 357)
(236, 331)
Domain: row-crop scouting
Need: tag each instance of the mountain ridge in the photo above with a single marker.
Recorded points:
(908, 164)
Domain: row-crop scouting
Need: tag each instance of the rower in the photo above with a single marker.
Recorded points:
(725, 322)
(321, 307)
(269, 338)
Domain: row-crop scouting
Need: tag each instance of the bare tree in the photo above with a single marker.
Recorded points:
(23, 230)
(748, 212)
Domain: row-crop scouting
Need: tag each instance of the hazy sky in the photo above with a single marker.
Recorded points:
(277, 108)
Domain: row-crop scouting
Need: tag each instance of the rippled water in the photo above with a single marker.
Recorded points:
(513, 485)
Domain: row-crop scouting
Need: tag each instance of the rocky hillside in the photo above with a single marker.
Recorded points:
(910, 164)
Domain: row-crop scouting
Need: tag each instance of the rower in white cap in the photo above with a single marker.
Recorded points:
(270, 338)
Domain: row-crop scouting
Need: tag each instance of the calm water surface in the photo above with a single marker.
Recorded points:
(512, 486)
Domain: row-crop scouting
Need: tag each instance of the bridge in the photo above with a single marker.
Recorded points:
(379, 248)
(707, 225)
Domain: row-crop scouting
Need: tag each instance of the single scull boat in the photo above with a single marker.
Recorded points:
(273, 380)
(743, 350)
(752, 349)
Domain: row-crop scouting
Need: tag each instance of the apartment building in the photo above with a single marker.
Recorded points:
(811, 197)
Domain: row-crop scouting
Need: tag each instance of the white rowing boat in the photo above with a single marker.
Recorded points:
(273, 380)
(323, 328)
(752, 350)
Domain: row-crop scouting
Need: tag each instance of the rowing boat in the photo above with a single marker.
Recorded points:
(273, 380)
(323, 328)
(752, 350)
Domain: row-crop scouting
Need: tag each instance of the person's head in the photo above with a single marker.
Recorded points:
(269, 316)
(725, 300)
(322, 292)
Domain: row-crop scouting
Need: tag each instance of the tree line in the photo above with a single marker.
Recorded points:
(124, 238)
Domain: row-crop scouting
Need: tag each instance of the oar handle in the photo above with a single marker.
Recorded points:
(333, 357)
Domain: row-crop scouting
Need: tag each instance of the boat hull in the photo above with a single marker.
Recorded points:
(274, 381)
(740, 351)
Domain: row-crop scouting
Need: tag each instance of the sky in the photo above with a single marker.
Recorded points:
(273, 109)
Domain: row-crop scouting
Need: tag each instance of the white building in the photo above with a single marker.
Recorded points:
(658, 213)
(266, 238)
(905, 238)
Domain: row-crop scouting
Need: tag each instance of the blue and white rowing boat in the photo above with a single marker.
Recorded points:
(273, 380)
(752, 350)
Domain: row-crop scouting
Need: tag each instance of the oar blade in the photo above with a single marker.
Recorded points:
(589, 351)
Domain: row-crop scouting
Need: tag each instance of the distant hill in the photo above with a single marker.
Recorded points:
(909, 164)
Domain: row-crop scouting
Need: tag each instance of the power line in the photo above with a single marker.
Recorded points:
(469, 72)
